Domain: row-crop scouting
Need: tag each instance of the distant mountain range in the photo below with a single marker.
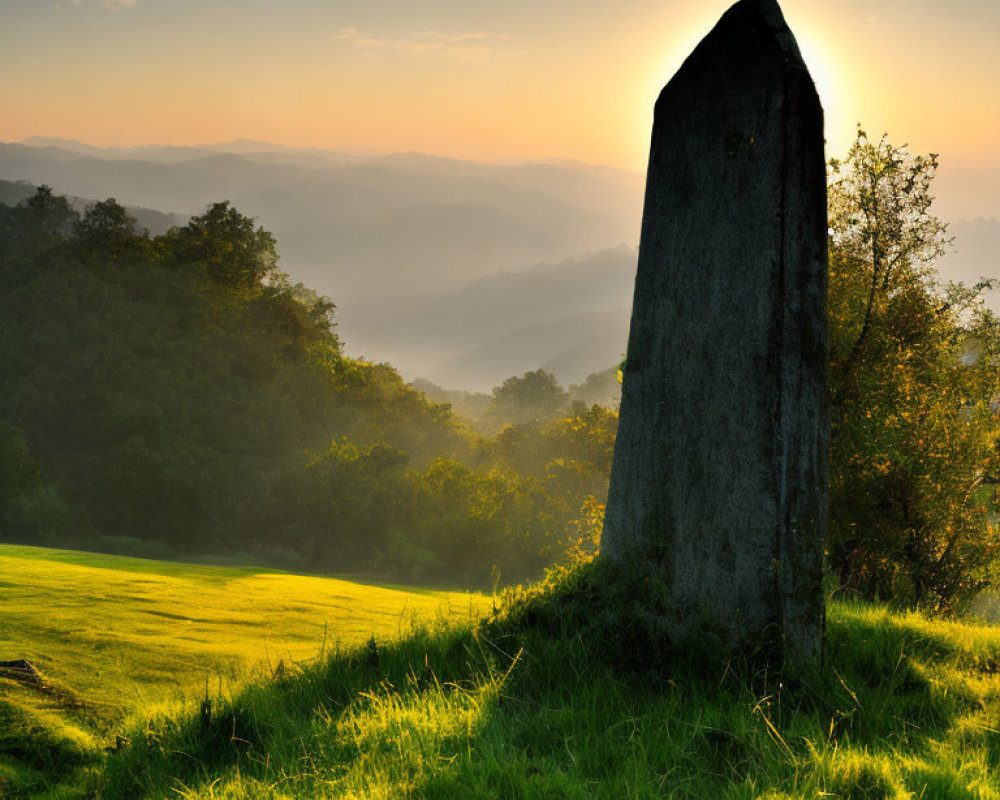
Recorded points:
(462, 272)
(427, 258)
(512, 322)
(569, 347)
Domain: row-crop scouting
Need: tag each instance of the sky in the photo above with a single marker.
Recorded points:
(494, 80)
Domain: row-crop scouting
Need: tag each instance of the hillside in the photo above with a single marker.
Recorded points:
(179, 394)
(156, 222)
(116, 639)
(159, 391)
(543, 700)
(386, 236)
(549, 701)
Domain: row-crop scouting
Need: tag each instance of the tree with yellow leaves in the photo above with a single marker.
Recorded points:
(913, 373)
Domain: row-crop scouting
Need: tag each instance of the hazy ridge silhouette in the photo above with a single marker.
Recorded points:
(459, 271)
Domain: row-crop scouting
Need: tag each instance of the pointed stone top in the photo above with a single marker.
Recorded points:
(750, 31)
(771, 13)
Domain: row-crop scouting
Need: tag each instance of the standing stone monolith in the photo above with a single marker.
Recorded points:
(719, 479)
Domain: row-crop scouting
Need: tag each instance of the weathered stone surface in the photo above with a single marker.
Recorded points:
(718, 486)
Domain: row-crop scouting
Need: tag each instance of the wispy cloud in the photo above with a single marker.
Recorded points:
(477, 44)
(110, 5)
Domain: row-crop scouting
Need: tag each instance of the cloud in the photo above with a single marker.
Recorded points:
(110, 5)
(462, 45)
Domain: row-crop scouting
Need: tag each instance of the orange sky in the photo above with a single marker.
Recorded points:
(471, 78)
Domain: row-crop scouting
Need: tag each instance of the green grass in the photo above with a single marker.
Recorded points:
(117, 638)
(568, 692)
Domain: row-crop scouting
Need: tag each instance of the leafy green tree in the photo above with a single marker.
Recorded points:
(18, 470)
(913, 429)
(469, 406)
(35, 224)
(30, 507)
(108, 233)
(882, 229)
(234, 250)
(47, 213)
(600, 388)
(477, 521)
(533, 397)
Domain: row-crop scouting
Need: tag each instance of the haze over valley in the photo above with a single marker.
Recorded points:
(460, 272)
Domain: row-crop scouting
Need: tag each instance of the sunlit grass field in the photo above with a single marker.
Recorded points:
(116, 638)
(563, 691)
(564, 695)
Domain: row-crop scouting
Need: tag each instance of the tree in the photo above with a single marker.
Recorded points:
(603, 388)
(36, 222)
(303, 315)
(882, 230)
(234, 251)
(30, 507)
(914, 432)
(533, 397)
(46, 213)
(107, 232)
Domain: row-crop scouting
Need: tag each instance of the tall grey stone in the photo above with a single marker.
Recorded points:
(719, 480)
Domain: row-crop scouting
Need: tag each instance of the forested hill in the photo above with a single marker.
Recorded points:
(178, 394)
(156, 222)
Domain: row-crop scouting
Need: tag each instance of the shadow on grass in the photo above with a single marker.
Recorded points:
(45, 736)
(570, 691)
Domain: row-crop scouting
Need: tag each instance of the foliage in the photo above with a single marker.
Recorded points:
(29, 505)
(164, 404)
(913, 383)
(181, 394)
(599, 388)
(18, 471)
(584, 539)
(232, 249)
(45, 213)
(533, 397)
(108, 233)
(574, 450)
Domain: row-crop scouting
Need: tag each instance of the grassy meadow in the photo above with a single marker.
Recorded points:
(566, 693)
(563, 690)
(117, 638)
